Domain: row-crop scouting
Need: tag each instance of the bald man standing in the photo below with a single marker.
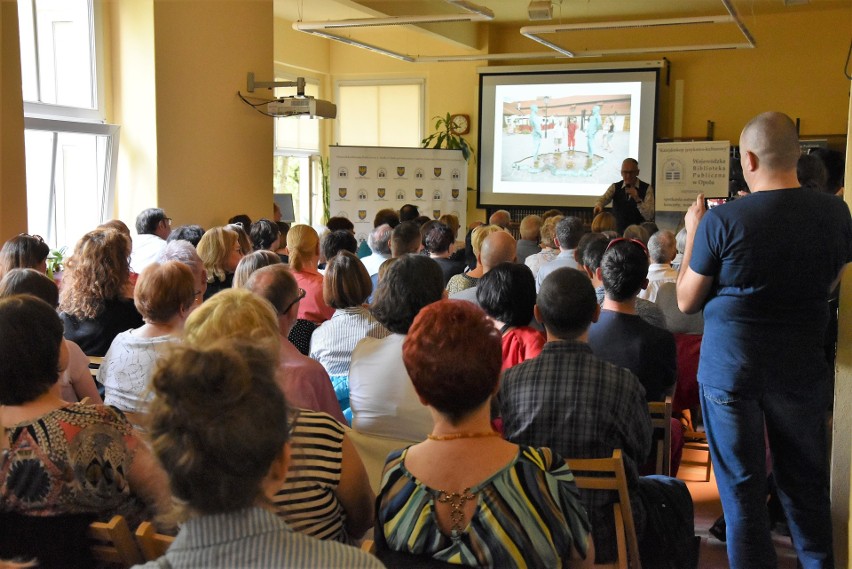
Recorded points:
(764, 288)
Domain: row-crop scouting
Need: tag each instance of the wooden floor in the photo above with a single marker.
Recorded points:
(705, 497)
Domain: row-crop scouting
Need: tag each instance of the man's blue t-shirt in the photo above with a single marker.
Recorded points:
(773, 256)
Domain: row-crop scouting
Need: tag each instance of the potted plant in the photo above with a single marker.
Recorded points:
(446, 136)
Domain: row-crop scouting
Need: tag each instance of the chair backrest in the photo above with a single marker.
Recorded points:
(112, 542)
(152, 544)
(95, 363)
(607, 474)
(374, 452)
(661, 418)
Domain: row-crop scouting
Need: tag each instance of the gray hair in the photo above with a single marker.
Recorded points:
(680, 240)
(379, 239)
(661, 247)
(183, 252)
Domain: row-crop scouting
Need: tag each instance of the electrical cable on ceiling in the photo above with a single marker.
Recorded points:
(256, 106)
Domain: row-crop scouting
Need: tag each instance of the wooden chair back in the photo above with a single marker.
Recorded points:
(94, 365)
(112, 542)
(607, 474)
(661, 419)
(697, 441)
(153, 545)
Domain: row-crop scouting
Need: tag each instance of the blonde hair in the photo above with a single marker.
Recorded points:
(234, 314)
(479, 234)
(548, 230)
(95, 273)
(452, 222)
(214, 248)
(302, 245)
(252, 262)
(604, 221)
(530, 227)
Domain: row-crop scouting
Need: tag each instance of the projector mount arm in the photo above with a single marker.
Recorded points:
(299, 84)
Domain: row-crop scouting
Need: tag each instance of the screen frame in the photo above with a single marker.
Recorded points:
(492, 77)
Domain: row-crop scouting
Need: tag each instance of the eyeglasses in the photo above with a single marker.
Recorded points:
(626, 172)
(634, 241)
(301, 295)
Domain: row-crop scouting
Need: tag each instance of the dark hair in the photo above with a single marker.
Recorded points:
(346, 282)
(339, 223)
(264, 233)
(408, 212)
(412, 282)
(438, 238)
(507, 293)
(650, 227)
(567, 303)
(584, 243)
(811, 172)
(148, 220)
(335, 241)
(594, 251)
(23, 252)
(30, 340)
(242, 220)
(191, 233)
(384, 216)
(624, 267)
(834, 166)
(424, 229)
(569, 231)
(32, 282)
(437, 354)
(405, 238)
(420, 220)
(207, 399)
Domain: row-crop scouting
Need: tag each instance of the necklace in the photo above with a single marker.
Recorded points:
(456, 500)
(455, 436)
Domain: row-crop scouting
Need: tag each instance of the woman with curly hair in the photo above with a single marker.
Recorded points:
(221, 251)
(94, 302)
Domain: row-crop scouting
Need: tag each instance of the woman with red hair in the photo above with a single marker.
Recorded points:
(464, 493)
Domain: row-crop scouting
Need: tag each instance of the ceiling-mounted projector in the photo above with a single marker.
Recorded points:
(302, 106)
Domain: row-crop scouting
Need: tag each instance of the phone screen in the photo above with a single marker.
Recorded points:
(710, 203)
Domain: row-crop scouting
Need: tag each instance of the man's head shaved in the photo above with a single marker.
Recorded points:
(498, 247)
(772, 137)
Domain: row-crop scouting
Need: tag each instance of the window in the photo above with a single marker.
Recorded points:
(380, 114)
(71, 153)
(297, 154)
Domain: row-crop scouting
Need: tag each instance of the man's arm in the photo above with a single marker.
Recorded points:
(605, 199)
(646, 206)
(692, 288)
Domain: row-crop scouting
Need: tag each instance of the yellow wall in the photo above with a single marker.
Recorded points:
(214, 153)
(13, 190)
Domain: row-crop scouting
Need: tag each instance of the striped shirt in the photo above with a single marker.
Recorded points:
(332, 343)
(528, 515)
(254, 537)
(307, 501)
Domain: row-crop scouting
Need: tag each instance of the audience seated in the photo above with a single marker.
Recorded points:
(465, 495)
(662, 250)
(440, 243)
(304, 251)
(242, 220)
(405, 239)
(530, 231)
(242, 231)
(498, 247)
(501, 218)
(383, 400)
(650, 227)
(227, 456)
(24, 252)
(184, 252)
(152, 228)
(462, 281)
(507, 295)
(221, 251)
(62, 458)
(604, 221)
(165, 296)
(265, 235)
(811, 173)
(408, 212)
(636, 232)
(191, 233)
(591, 265)
(379, 242)
(340, 224)
(583, 407)
(94, 303)
(252, 262)
(335, 241)
(75, 382)
(569, 231)
(680, 243)
(346, 287)
(549, 249)
(284, 228)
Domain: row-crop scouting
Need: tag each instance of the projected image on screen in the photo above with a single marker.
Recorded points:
(560, 139)
(561, 133)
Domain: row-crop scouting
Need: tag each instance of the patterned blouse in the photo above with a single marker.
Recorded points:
(460, 282)
(68, 461)
(527, 515)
